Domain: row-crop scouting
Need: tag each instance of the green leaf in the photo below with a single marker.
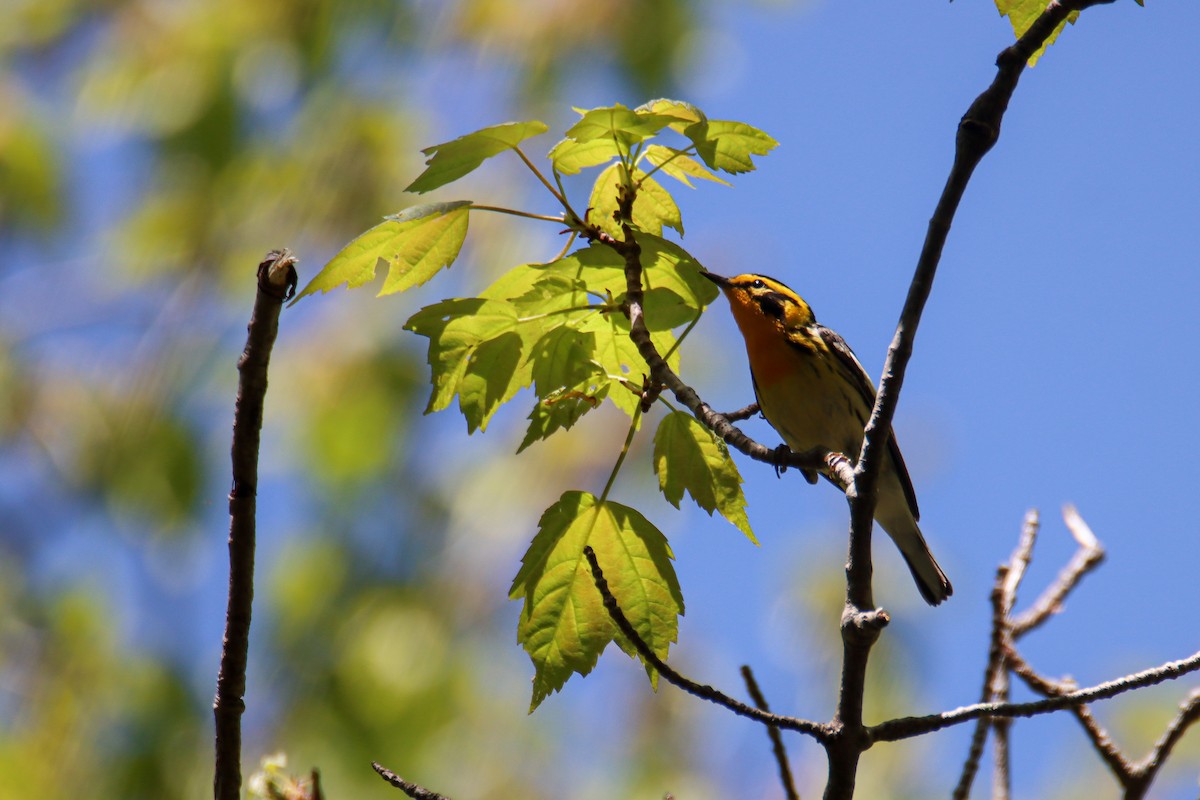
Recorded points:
(617, 124)
(620, 359)
(1022, 13)
(684, 113)
(564, 626)
(449, 161)
(653, 206)
(413, 244)
(561, 410)
(666, 265)
(476, 349)
(680, 167)
(551, 293)
(570, 156)
(562, 359)
(687, 457)
(727, 145)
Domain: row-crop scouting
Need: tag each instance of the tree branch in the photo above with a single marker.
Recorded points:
(1089, 556)
(408, 787)
(908, 727)
(978, 131)
(814, 729)
(1147, 768)
(276, 283)
(785, 771)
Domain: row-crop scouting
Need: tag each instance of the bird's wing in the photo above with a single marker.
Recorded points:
(854, 370)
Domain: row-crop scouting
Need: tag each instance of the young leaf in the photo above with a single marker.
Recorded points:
(449, 161)
(476, 351)
(570, 156)
(622, 362)
(1022, 13)
(562, 359)
(653, 207)
(684, 113)
(618, 124)
(561, 410)
(413, 244)
(666, 265)
(680, 167)
(687, 457)
(727, 145)
(564, 626)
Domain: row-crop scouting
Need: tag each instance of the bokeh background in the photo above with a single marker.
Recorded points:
(151, 152)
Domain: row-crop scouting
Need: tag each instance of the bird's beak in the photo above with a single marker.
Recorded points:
(723, 282)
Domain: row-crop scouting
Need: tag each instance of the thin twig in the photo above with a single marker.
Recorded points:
(742, 413)
(815, 729)
(276, 283)
(408, 787)
(1135, 778)
(995, 665)
(785, 770)
(908, 727)
(1189, 714)
(1087, 557)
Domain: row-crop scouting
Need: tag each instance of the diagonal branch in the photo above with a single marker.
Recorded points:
(814, 729)
(978, 131)
(408, 787)
(1089, 556)
(1189, 714)
(785, 771)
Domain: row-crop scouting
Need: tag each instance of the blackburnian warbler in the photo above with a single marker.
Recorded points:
(816, 394)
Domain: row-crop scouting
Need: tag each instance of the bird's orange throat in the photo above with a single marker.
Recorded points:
(770, 354)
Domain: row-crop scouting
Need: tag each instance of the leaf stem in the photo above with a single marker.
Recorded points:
(515, 213)
(561, 198)
(667, 355)
(676, 154)
(562, 194)
(566, 247)
(633, 426)
(547, 314)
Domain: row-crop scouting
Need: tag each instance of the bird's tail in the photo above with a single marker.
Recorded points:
(893, 514)
(931, 581)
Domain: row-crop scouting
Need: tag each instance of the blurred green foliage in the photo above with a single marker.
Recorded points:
(150, 153)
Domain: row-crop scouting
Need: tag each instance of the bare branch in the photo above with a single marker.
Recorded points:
(1089, 556)
(408, 787)
(908, 727)
(1002, 590)
(742, 413)
(276, 283)
(818, 731)
(1189, 714)
(785, 771)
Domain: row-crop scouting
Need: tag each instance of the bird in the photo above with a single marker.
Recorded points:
(814, 392)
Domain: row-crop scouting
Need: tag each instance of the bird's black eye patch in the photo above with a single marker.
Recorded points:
(757, 284)
(772, 304)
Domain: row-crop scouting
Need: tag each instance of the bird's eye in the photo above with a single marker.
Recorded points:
(758, 284)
